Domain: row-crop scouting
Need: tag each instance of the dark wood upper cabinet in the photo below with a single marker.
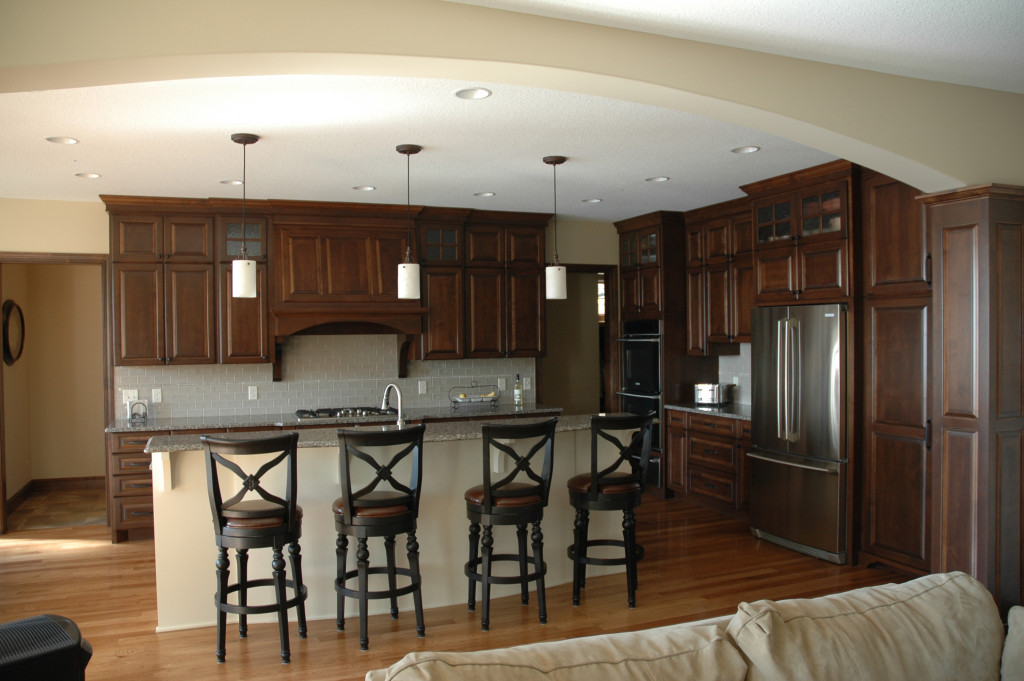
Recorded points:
(444, 327)
(188, 239)
(138, 314)
(244, 328)
(650, 288)
(145, 238)
(896, 249)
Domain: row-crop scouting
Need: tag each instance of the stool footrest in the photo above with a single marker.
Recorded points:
(590, 560)
(472, 572)
(340, 587)
(259, 609)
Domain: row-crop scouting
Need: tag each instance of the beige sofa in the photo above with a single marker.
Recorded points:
(934, 628)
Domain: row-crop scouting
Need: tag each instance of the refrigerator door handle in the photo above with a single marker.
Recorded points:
(831, 468)
(781, 381)
(795, 370)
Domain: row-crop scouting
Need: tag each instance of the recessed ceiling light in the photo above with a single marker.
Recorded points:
(592, 200)
(473, 93)
(89, 176)
(62, 140)
(364, 188)
(484, 194)
(233, 183)
(745, 150)
(660, 178)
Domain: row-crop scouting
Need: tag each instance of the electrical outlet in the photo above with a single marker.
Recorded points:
(129, 395)
(501, 384)
(253, 392)
(735, 380)
(158, 395)
(422, 387)
(527, 383)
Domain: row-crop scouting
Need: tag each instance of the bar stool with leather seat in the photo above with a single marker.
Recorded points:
(618, 486)
(255, 517)
(514, 498)
(382, 507)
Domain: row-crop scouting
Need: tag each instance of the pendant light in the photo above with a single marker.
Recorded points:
(408, 271)
(243, 270)
(554, 274)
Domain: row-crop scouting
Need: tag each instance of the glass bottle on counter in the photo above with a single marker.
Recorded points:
(517, 393)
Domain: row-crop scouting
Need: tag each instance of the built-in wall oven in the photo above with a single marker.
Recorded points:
(640, 361)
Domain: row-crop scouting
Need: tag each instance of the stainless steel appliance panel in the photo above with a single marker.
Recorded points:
(799, 503)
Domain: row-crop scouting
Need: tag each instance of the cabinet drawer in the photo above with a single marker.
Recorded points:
(711, 484)
(675, 419)
(131, 442)
(130, 464)
(745, 430)
(133, 512)
(133, 485)
(713, 453)
(718, 425)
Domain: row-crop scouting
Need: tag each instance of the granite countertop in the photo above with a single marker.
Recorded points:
(733, 410)
(200, 423)
(444, 431)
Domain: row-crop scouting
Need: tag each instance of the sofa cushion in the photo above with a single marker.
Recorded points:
(670, 653)
(1013, 649)
(943, 626)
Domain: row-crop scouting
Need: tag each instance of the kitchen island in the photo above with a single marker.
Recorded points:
(183, 532)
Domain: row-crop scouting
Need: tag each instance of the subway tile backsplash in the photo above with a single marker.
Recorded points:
(736, 369)
(317, 371)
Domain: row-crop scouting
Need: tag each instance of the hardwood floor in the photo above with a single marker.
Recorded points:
(698, 564)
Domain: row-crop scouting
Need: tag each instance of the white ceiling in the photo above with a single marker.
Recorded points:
(324, 135)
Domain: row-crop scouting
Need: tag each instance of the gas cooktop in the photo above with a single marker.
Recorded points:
(341, 412)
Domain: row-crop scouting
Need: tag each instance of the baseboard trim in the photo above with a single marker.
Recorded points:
(67, 484)
(19, 497)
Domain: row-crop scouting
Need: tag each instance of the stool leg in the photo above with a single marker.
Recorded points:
(629, 539)
(486, 546)
(579, 568)
(524, 584)
(538, 562)
(474, 546)
(412, 549)
(363, 564)
(341, 556)
(389, 552)
(223, 568)
(295, 558)
(242, 559)
(278, 565)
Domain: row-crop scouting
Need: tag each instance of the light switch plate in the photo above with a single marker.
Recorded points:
(422, 387)
(527, 383)
(158, 395)
(253, 392)
(501, 384)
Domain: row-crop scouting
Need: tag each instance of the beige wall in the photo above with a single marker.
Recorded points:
(17, 383)
(584, 243)
(66, 370)
(927, 134)
(571, 370)
(28, 226)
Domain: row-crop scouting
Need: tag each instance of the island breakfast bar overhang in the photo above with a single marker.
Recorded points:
(183, 532)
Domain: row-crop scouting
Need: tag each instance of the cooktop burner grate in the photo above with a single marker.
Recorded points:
(341, 412)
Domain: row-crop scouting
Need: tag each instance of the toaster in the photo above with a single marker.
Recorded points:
(713, 393)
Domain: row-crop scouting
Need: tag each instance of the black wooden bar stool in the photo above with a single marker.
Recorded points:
(618, 486)
(383, 507)
(263, 520)
(514, 498)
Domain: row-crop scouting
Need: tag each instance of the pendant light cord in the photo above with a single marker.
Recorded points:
(244, 255)
(554, 175)
(408, 212)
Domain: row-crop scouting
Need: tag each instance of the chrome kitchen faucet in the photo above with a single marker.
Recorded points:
(385, 405)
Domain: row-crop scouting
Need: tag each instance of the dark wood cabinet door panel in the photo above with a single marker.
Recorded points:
(675, 443)
(776, 274)
(717, 281)
(897, 503)
(346, 273)
(443, 327)
(136, 237)
(741, 292)
(898, 375)
(629, 295)
(694, 245)
(526, 313)
(300, 266)
(244, 324)
(485, 312)
(139, 314)
(696, 312)
(524, 246)
(188, 239)
(190, 318)
(713, 453)
(388, 252)
(895, 237)
(485, 246)
(717, 241)
(824, 271)
(742, 235)
(650, 291)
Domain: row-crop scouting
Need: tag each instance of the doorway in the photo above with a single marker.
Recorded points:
(52, 398)
(577, 372)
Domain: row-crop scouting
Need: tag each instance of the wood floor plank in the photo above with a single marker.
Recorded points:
(698, 564)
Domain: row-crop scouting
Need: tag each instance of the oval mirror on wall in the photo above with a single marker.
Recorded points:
(14, 332)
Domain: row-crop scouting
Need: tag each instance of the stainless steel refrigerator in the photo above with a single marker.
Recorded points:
(798, 464)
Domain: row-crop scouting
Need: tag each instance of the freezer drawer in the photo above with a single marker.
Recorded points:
(799, 503)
